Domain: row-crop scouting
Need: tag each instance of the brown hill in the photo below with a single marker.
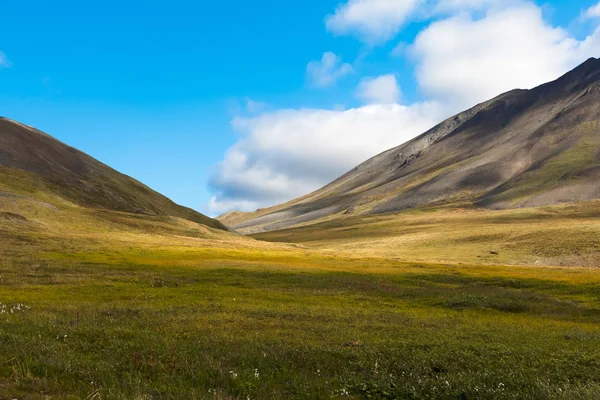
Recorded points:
(29, 157)
(523, 148)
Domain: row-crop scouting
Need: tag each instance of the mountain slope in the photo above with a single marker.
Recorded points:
(523, 148)
(34, 162)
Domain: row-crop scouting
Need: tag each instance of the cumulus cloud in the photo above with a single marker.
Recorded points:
(219, 206)
(327, 71)
(592, 12)
(373, 21)
(289, 153)
(462, 60)
(4, 62)
(477, 51)
(381, 90)
(458, 5)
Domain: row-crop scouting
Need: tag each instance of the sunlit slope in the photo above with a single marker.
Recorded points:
(34, 163)
(35, 224)
(567, 235)
(524, 148)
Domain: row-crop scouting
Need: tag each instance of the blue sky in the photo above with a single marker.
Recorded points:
(184, 95)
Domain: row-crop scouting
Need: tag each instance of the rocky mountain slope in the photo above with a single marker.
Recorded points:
(523, 148)
(32, 162)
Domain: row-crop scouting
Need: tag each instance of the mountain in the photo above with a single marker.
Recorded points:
(32, 162)
(524, 148)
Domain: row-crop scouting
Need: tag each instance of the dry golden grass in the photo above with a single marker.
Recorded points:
(563, 235)
(109, 305)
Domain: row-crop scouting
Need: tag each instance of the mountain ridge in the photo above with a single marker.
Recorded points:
(508, 152)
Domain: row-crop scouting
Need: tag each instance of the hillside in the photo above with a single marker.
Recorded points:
(524, 148)
(33, 163)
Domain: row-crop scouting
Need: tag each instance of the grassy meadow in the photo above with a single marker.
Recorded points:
(560, 235)
(105, 305)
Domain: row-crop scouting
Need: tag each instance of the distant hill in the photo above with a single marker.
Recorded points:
(32, 161)
(523, 148)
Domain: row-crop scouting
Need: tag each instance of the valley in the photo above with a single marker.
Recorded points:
(464, 264)
(104, 304)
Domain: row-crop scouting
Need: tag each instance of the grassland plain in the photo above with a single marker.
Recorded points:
(560, 235)
(107, 305)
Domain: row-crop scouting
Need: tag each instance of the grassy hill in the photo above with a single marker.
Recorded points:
(524, 148)
(33, 163)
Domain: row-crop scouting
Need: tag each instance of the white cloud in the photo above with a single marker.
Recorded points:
(475, 52)
(462, 60)
(381, 90)
(592, 12)
(373, 21)
(4, 61)
(218, 207)
(327, 71)
(458, 5)
(290, 153)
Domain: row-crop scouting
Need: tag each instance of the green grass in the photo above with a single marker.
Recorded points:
(179, 325)
(103, 305)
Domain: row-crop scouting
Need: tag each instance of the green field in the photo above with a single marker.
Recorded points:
(105, 305)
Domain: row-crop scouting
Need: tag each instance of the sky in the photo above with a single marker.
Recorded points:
(238, 105)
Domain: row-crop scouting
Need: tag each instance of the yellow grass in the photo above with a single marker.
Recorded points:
(413, 305)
